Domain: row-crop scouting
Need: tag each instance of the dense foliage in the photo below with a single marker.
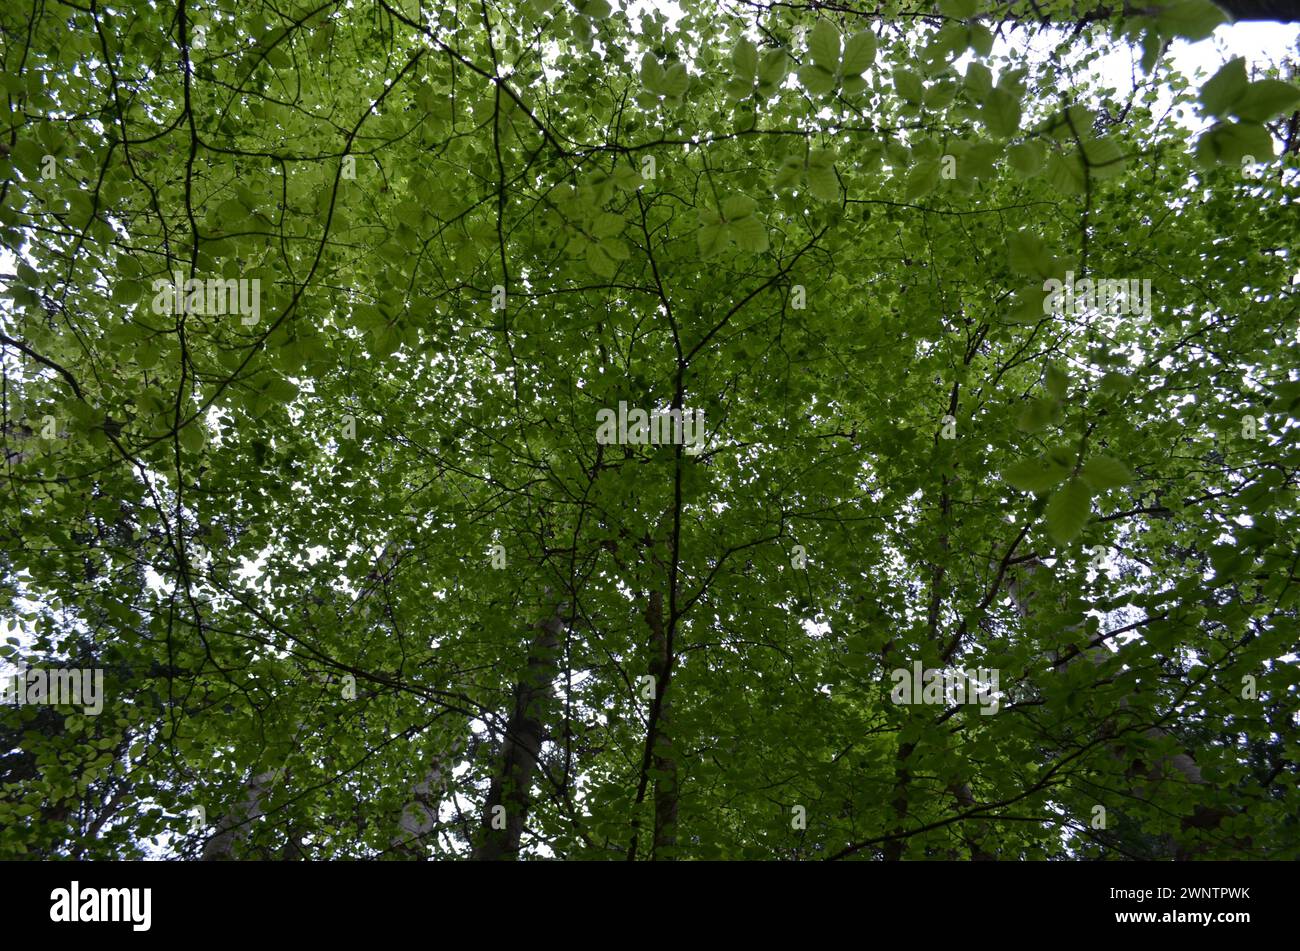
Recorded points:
(348, 560)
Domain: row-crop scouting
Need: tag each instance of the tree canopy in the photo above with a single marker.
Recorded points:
(313, 310)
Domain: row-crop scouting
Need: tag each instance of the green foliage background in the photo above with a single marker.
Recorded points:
(751, 212)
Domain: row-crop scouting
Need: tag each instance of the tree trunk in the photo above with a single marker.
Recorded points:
(508, 797)
(420, 814)
(663, 763)
(235, 825)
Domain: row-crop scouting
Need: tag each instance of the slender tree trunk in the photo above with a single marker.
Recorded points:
(974, 841)
(663, 763)
(508, 797)
(893, 849)
(420, 814)
(235, 825)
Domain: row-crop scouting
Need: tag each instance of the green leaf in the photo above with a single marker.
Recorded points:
(712, 238)
(908, 85)
(738, 89)
(281, 391)
(1288, 398)
(1036, 414)
(859, 53)
(1105, 472)
(1152, 46)
(745, 59)
(1034, 475)
(980, 39)
(601, 264)
(1067, 511)
(1065, 173)
(958, 9)
(979, 81)
(950, 40)
(816, 80)
(1266, 99)
(1104, 158)
(1027, 158)
(1001, 113)
(365, 509)
(1027, 307)
(978, 160)
(790, 173)
(736, 207)
(824, 45)
(922, 180)
(1228, 561)
(1224, 88)
(127, 292)
(607, 225)
(822, 181)
(1114, 384)
(147, 354)
(772, 69)
(192, 437)
(1063, 454)
(1233, 141)
(652, 74)
(1057, 381)
(1027, 254)
(615, 249)
(676, 81)
(749, 234)
(1193, 19)
(232, 215)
